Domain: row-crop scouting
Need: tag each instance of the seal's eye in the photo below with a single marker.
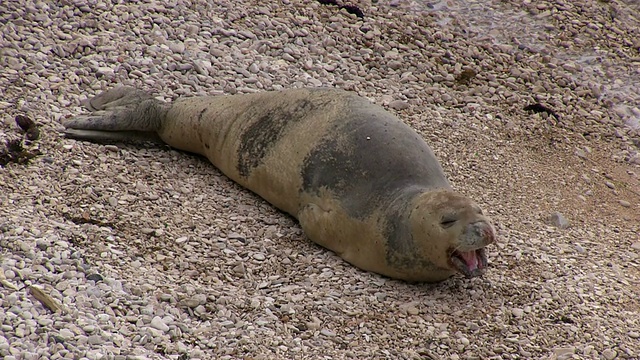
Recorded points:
(448, 221)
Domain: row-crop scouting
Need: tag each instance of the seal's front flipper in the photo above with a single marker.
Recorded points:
(358, 241)
(319, 224)
(121, 113)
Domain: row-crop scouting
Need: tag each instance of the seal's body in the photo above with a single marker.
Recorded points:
(360, 181)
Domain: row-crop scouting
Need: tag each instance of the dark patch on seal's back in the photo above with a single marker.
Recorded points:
(265, 132)
(365, 162)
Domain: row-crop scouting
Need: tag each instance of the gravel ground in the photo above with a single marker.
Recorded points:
(531, 106)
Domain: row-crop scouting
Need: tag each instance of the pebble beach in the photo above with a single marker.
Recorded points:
(137, 251)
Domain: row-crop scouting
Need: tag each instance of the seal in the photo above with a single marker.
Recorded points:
(360, 181)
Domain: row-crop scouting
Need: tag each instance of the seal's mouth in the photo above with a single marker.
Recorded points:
(470, 263)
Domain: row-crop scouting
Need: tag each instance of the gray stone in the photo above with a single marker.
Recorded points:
(158, 323)
(398, 105)
(558, 220)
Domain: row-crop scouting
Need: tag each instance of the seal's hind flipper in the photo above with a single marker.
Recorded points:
(122, 113)
(116, 97)
(113, 136)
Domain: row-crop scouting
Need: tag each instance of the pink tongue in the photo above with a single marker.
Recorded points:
(470, 258)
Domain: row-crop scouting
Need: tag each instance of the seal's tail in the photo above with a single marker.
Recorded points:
(121, 114)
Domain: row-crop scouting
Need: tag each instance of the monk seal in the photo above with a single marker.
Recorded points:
(360, 181)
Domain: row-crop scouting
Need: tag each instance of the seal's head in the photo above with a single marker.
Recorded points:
(450, 231)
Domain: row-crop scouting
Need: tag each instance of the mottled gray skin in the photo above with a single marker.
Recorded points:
(360, 181)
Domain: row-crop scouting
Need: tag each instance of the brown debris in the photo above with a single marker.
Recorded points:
(539, 108)
(46, 300)
(14, 150)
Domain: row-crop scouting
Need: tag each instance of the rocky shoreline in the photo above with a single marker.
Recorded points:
(532, 108)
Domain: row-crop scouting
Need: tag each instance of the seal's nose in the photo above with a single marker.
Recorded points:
(483, 231)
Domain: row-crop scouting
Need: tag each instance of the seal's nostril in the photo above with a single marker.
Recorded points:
(489, 234)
